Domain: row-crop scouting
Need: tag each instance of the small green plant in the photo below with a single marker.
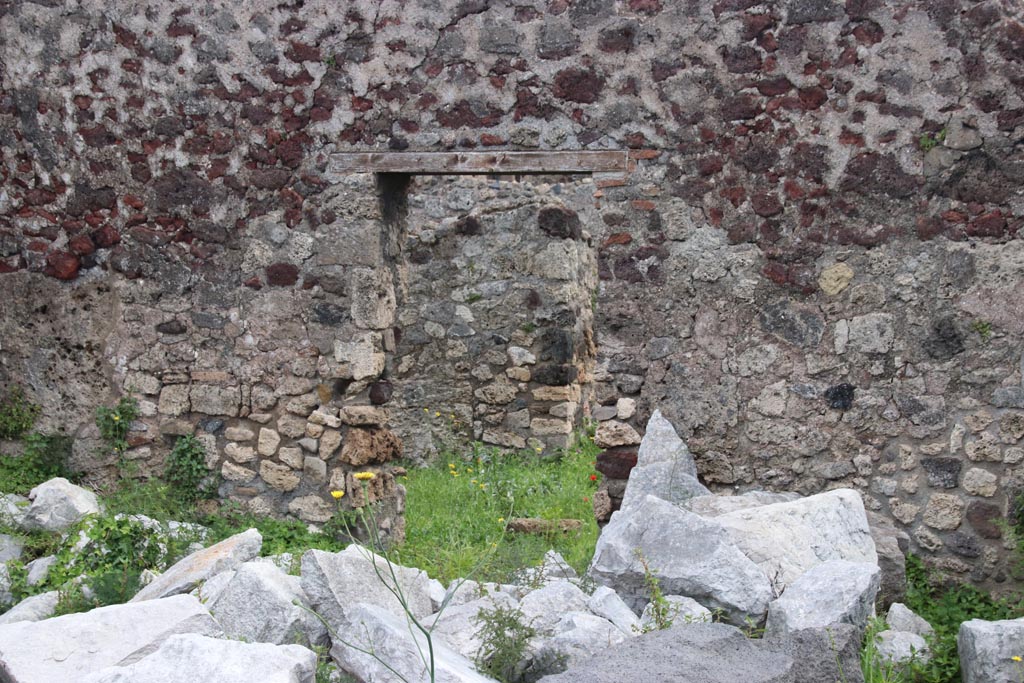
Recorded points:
(927, 141)
(875, 670)
(945, 608)
(504, 637)
(474, 297)
(43, 458)
(114, 425)
(17, 413)
(528, 328)
(187, 474)
(983, 328)
(662, 611)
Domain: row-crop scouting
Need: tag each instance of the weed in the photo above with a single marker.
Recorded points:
(504, 637)
(187, 474)
(927, 142)
(662, 611)
(456, 511)
(945, 608)
(474, 297)
(983, 328)
(875, 670)
(279, 535)
(17, 413)
(43, 458)
(528, 327)
(114, 425)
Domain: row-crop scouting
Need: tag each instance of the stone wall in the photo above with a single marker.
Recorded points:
(812, 267)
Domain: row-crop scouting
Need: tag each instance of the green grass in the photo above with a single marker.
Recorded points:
(456, 512)
(945, 608)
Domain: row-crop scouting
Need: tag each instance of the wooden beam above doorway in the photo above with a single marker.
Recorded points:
(480, 163)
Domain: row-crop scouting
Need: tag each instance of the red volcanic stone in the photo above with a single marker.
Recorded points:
(106, 236)
(709, 165)
(97, 136)
(488, 140)
(813, 97)
(740, 108)
(848, 137)
(765, 204)
(774, 87)
(869, 33)
(929, 227)
(742, 59)
(616, 239)
(776, 272)
(755, 24)
(361, 104)
(81, 245)
(617, 39)
(616, 463)
(62, 265)
(649, 7)
(300, 52)
(269, 179)
(735, 195)
(282, 274)
(991, 224)
(578, 85)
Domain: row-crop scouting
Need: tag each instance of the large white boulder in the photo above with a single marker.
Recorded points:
(902, 618)
(334, 581)
(189, 572)
(664, 468)
(605, 602)
(460, 625)
(393, 640)
(900, 647)
(32, 608)
(262, 604)
(543, 608)
(665, 480)
(835, 592)
(68, 648)
(578, 636)
(662, 444)
(689, 555)
(58, 504)
(192, 658)
(987, 649)
(787, 539)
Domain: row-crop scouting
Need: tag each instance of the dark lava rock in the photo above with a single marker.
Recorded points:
(171, 327)
(840, 396)
(943, 473)
(381, 392)
(945, 341)
(560, 223)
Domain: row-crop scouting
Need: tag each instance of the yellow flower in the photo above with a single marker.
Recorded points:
(538, 449)
(337, 494)
(451, 466)
(501, 520)
(1016, 658)
(425, 410)
(364, 476)
(469, 469)
(437, 413)
(483, 486)
(117, 418)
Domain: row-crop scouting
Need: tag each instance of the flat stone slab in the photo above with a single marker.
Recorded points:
(193, 658)
(694, 653)
(68, 648)
(189, 572)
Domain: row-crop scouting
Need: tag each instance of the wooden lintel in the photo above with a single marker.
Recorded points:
(480, 163)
